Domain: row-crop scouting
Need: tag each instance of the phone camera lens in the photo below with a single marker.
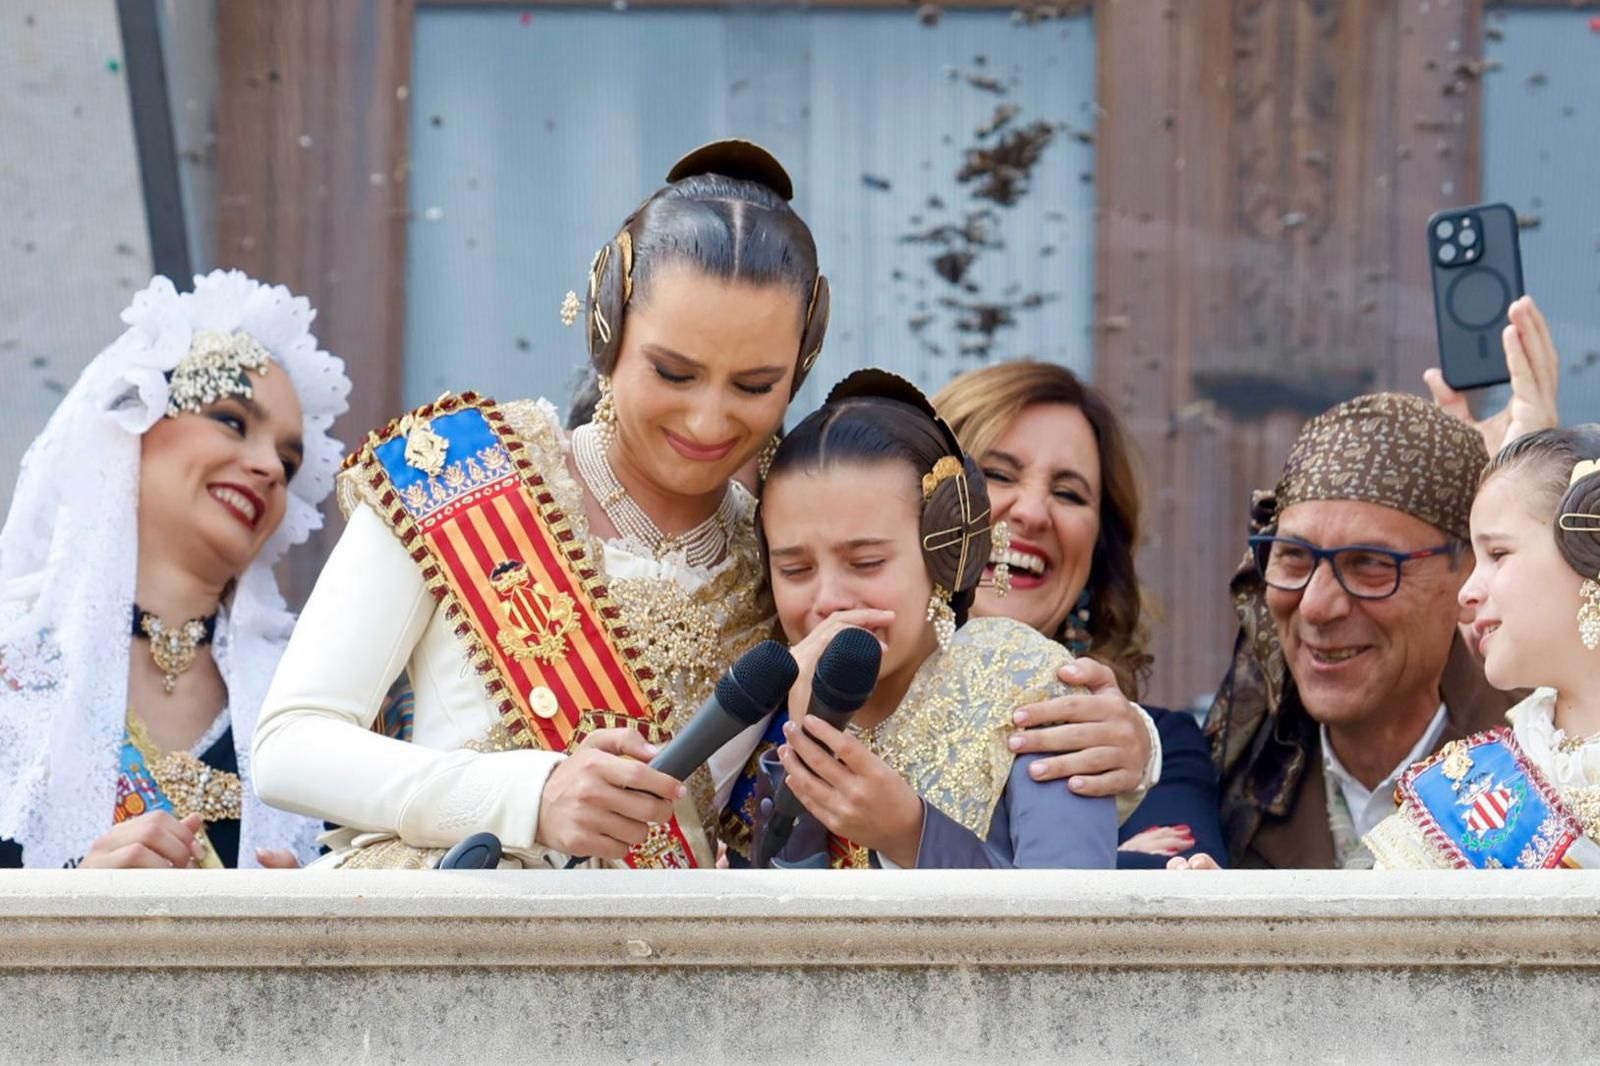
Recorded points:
(1447, 253)
(1444, 230)
(1468, 237)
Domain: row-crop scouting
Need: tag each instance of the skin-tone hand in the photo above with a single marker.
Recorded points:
(1160, 840)
(153, 841)
(809, 649)
(601, 800)
(277, 859)
(1193, 862)
(1535, 370)
(1102, 735)
(852, 791)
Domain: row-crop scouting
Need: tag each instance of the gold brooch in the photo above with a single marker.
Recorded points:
(425, 449)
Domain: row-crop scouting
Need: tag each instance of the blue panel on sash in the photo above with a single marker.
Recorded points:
(1493, 812)
(466, 433)
(137, 791)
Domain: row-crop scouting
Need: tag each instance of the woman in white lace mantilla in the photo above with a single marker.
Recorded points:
(140, 621)
(558, 603)
(1529, 796)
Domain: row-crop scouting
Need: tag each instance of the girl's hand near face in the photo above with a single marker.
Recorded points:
(809, 649)
(851, 791)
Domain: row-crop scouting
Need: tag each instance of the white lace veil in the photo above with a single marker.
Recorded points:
(68, 556)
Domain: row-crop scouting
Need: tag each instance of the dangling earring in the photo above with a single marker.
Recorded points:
(570, 308)
(764, 459)
(1001, 535)
(1589, 614)
(942, 617)
(605, 414)
(1075, 632)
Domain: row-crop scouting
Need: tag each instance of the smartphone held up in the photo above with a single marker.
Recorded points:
(1476, 264)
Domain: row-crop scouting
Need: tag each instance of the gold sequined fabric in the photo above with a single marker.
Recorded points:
(1391, 449)
(948, 738)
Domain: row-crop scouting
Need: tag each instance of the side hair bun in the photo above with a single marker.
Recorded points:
(1578, 521)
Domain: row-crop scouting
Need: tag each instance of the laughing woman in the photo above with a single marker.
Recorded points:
(140, 621)
(1061, 477)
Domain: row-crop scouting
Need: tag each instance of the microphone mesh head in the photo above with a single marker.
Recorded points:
(847, 672)
(758, 682)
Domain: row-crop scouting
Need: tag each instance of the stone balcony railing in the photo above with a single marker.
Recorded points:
(772, 967)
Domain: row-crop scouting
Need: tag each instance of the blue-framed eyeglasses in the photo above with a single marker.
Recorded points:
(1364, 571)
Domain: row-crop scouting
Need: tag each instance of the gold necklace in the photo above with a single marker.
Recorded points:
(173, 649)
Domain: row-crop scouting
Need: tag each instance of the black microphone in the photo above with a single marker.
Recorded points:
(480, 851)
(846, 674)
(754, 686)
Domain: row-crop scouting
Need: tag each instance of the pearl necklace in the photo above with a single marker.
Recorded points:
(701, 546)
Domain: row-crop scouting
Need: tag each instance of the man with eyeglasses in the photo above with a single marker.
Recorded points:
(1348, 667)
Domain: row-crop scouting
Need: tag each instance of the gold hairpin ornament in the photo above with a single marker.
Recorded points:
(625, 244)
(972, 525)
(597, 317)
(1581, 521)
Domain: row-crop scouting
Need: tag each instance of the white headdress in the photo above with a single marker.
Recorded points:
(68, 556)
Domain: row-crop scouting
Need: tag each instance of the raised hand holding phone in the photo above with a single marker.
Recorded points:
(1534, 369)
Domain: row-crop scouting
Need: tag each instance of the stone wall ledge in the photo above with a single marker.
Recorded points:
(272, 919)
(860, 968)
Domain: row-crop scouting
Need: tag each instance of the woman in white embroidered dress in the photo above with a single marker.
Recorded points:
(1535, 599)
(140, 621)
(704, 314)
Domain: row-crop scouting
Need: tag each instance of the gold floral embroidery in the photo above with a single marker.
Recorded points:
(948, 738)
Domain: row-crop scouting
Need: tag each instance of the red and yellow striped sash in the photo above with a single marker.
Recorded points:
(527, 595)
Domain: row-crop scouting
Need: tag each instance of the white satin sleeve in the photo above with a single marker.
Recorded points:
(315, 752)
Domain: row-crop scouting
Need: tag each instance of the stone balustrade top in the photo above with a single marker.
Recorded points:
(895, 967)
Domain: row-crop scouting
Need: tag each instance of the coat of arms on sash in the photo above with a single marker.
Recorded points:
(540, 619)
(1484, 804)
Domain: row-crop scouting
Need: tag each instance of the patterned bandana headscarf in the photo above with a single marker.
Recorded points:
(1390, 449)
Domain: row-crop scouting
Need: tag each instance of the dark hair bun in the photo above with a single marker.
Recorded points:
(1578, 525)
(734, 158)
(881, 384)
